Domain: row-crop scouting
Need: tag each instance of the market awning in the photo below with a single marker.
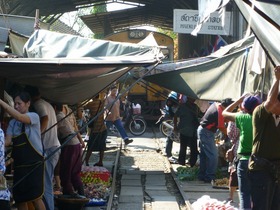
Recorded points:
(215, 77)
(70, 69)
(263, 18)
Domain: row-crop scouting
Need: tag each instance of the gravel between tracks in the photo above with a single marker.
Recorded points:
(152, 161)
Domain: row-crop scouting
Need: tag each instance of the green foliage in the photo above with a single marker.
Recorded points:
(99, 9)
(190, 173)
(172, 34)
(98, 36)
(187, 173)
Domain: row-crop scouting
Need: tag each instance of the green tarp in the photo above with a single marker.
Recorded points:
(70, 69)
(226, 74)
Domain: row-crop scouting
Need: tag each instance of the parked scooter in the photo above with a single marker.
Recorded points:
(133, 120)
(165, 122)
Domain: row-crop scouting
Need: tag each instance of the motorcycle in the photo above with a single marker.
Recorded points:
(165, 122)
(133, 120)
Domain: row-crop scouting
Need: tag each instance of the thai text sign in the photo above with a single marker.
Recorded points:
(185, 21)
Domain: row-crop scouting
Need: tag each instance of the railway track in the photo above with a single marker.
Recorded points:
(142, 178)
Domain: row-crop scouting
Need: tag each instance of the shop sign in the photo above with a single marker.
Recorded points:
(185, 21)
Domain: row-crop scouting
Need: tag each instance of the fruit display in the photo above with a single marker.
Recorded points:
(96, 191)
(97, 184)
(95, 174)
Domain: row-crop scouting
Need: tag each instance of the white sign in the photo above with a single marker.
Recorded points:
(185, 21)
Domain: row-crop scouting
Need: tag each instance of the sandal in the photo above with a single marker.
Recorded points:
(57, 191)
(98, 164)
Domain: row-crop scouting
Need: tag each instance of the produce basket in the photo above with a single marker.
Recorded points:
(97, 181)
(221, 183)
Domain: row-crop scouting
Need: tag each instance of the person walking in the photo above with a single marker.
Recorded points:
(264, 164)
(49, 138)
(243, 121)
(112, 114)
(23, 133)
(210, 122)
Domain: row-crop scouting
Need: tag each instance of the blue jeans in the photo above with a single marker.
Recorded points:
(168, 147)
(244, 185)
(49, 173)
(208, 154)
(265, 192)
(119, 126)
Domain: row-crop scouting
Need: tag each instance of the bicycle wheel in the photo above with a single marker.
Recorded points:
(166, 127)
(137, 126)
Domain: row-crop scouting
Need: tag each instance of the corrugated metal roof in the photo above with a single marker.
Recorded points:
(61, 27)
(158, 13)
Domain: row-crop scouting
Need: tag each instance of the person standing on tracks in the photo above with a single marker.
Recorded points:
(97, 132)
(210, 122)
(188, 113)
(112, 114)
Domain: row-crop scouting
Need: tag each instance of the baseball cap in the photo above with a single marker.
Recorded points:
(250, 103)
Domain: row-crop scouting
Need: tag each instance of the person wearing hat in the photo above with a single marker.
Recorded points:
(243, 121)
(188, 113)
(171, 104)
(211, 121)
(264, 164)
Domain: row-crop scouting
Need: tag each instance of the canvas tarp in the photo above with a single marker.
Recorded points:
(17, 42)
(264, 20)
(229, 75)
(225, 75)
(70, 69)
(3, 38)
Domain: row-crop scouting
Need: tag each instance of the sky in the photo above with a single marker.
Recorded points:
(117, 6)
